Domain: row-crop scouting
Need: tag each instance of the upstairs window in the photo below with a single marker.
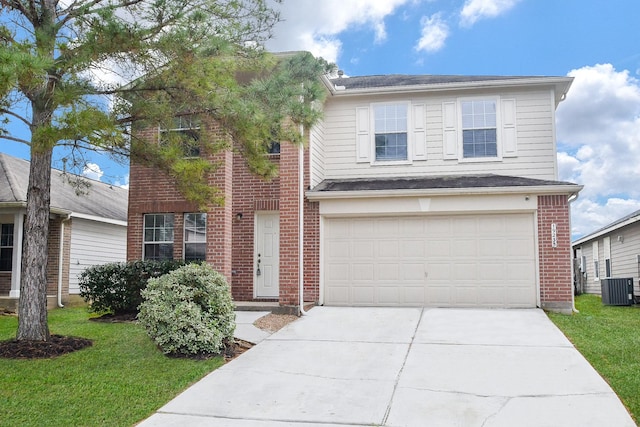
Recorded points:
(479, 128)
(185, 131)
(390, 128)
(274, 147)
(6, 247)
(195, 236)
(158, 237)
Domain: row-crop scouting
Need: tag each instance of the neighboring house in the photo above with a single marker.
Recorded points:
(413, 190)
(91, 226)
(610, 252)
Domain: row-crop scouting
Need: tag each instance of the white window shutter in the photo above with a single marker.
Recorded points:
(509, 139)
(450, 128)
(419, 132)
(363, 140)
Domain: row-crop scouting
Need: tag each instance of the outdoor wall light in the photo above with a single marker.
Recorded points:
(239, 216)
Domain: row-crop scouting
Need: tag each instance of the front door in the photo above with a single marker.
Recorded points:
(266, 259)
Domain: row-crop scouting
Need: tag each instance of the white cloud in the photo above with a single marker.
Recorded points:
(92, 171)
(124, 183)
(434, 33)
(315, 26)
(475, 10)
(589, 216)
(598, 129)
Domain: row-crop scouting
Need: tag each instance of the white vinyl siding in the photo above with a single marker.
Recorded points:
(317, 157)
(479, 260)
(94, 243)
(347, 146)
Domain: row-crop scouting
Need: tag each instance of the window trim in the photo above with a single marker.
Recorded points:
(409, 133)
(596, 260)
(145, 242)
(184, 236)
(198, 127)
(499, 155)
(12, 247)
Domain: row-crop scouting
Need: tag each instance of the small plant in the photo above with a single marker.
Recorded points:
(189, 311)
(115, 287)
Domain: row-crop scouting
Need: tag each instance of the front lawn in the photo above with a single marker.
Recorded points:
(609, 338)
(118, 381)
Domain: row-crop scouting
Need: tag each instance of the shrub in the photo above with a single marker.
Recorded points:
(188, 311)
(115, 287)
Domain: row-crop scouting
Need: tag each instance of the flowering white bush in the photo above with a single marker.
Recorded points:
(188, 311)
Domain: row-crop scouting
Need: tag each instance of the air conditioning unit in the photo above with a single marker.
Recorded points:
(617, 291)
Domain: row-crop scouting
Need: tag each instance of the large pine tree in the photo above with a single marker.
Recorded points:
(165, 58)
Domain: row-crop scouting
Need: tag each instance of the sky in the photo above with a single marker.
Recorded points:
(596, 42)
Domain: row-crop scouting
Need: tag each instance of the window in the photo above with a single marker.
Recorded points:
(607, 256)
(195, 236)
(185, 131)
(158, 237)
(6, 247)
(596, 261)
(390, 127)
(479, 128)
(274, 147)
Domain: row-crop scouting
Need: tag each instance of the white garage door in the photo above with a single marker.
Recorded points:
(443, 261)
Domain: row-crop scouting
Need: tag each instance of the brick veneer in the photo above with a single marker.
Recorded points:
(556, 290)
(230, 240)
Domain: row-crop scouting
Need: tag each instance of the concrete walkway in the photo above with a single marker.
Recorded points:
(404, 367)
(245, 329)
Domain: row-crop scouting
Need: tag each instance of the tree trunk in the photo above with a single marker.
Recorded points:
(32, 308)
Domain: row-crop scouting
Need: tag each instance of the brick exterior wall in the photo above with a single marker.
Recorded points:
(230, 241)
(250, 194)
(556, 289)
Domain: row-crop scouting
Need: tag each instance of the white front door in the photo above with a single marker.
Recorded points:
(266, 259)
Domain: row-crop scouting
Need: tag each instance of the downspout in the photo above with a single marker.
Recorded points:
(572, 198)
(61, 260)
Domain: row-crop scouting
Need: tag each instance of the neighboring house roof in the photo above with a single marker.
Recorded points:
(400, 82)
(615, 225)
(449, 184)
(102, 201)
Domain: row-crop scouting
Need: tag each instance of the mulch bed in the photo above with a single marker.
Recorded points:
(59, 345)
(56, 346)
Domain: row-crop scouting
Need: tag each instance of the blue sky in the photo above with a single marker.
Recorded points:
(594, 41)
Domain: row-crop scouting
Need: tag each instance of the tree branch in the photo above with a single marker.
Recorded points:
(15, 115)
(13, 138)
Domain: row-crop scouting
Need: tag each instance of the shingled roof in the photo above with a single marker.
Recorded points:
(103, 200)
(395, 80)
(434, 182)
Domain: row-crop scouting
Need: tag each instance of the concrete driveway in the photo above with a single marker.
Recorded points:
(404, 367)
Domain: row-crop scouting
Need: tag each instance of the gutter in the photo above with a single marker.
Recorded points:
(301, 228)
(561, 85)
(362, 194)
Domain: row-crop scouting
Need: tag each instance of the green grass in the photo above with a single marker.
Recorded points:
(609, 338)
(120, 380)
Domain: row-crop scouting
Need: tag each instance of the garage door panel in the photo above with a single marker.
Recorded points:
(492, 247)
(389, 249)
(448, 261)
(388, 271)
(338, 249)
(413, 272)
(362, 272)
(411, 249)
(465, 271)
(438, 248)
(464, 248)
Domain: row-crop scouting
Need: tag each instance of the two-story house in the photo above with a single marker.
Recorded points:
(413, 191)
